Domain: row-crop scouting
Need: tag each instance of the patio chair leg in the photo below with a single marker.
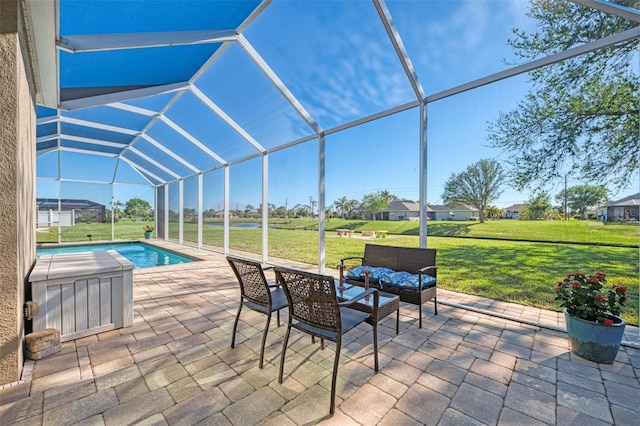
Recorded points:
(420, 315)
(264, 339)
(322, 344)
(435, 305)
(375, 345)
(235, 326)
(398, 322)
(336, 361)
(278, 313)
(284, 349)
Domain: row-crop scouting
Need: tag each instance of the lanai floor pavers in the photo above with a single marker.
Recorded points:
(175, 366)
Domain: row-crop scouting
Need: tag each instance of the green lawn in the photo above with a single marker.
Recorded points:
(574, 231)
(516, 271)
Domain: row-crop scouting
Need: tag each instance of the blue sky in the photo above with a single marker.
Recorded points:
(340, 64)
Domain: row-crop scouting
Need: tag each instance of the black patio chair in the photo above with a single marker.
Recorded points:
(256, 294)
(314, 309)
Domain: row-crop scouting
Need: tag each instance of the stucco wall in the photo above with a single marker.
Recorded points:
(17, 180)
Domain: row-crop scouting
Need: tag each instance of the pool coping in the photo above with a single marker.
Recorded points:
(181, 253)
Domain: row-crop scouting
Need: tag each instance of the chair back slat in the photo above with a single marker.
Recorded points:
(312, 298)
(253, 283)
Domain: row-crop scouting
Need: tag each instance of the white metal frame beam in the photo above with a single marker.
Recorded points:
(92, 141)
(100, 126)
(275, 80)
(612, 8)
(86, 151)
(47, 120)
(191, 139)
(41, 25)
(155, 117)
(223, 115)
(169, 152)
(132, 109)
(122, 41)
(46, 138)
(200, 207)
(109, 98)
(608, 41)
(398, 45)
(136, 166)
(154, 162)
(265, 208)
(322, 155)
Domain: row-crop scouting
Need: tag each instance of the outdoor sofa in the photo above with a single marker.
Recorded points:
(410, 273)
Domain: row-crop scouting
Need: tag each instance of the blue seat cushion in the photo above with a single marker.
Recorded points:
(375, 275)
(405, 280)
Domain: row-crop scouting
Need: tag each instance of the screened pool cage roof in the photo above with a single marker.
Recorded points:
(151, 92)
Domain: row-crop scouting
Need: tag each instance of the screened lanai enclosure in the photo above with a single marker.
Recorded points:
(209, 108)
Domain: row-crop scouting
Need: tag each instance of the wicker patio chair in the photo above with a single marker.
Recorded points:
(314, 309)
(256, 294)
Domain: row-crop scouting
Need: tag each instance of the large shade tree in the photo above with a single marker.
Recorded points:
(373, 204)
(137, 208)
(538, 207)
(477, 186)
(581, 198)
(581, 115)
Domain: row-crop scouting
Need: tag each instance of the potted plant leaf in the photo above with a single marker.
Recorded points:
(592, 315)
(148, 231)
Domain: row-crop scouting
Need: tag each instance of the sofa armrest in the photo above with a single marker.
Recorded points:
(427, 268)
(351, 258)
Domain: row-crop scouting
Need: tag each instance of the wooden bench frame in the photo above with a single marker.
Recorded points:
(409, 259)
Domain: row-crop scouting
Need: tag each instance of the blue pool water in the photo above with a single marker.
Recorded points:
(141, 255)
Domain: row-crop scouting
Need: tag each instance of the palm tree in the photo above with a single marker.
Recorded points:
(328, 212)
(388, 196)
(117, 209)
(350, 206)
(342, 205)
(493, 212)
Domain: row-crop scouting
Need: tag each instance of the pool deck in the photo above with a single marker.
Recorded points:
(175, 366)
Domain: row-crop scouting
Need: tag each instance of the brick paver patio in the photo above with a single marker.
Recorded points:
(175, 366)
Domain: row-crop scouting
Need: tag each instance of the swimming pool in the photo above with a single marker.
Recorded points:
(140, 254)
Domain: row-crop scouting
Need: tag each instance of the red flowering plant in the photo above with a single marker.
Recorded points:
(585, 297)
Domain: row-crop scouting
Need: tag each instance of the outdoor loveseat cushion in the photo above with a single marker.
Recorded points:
(375, 275)
(407, 280)
(385, 277)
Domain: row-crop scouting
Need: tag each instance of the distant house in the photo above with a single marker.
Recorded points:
(591, 213)
(512, 212)
(441, 212)
(400, 210)
(410, 210)
(71, 212)
(626, 209)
